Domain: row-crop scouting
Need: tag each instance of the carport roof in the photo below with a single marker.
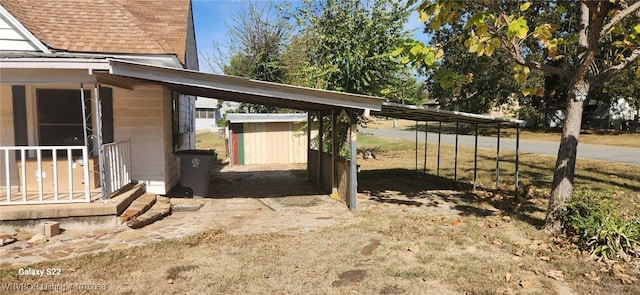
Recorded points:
(423, 114)
(239, 89)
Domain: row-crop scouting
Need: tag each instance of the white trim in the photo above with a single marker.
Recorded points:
(266, 118)
(54, 63)
(24, 31)
(277, 94)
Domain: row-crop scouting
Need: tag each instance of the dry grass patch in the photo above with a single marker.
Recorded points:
(395, 252)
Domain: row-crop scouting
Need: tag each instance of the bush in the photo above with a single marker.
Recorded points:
(600, 229)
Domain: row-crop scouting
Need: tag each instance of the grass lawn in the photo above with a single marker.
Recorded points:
(492, 244)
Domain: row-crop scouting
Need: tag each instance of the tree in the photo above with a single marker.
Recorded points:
(346, 44)
(488, 80)
(255, 45)
(596, 40)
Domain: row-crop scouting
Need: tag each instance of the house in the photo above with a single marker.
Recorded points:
(53, 104)
(95, 98)
(267, 138)
(207, 115)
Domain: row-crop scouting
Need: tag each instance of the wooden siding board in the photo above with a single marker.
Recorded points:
(139, 118)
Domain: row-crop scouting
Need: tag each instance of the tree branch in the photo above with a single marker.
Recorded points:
(618, 17)
(607, 74)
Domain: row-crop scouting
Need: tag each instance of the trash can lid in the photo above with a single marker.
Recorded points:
(197, 152)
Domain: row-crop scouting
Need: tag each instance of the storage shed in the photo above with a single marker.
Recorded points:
(267, 138)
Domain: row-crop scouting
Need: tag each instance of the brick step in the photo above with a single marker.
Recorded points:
(139, 206)
(160, 209)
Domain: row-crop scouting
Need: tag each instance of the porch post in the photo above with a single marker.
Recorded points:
(320, 138)
(439, 141)
(515, 193)
(84, 116)
(334, 148)
(426, 130)
(455, 160)
(309, 146)
(97, 130)
(353, 169)
(498, 159)
(416, 146)
(475, 159)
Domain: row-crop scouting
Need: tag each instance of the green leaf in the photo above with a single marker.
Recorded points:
(397, 52)
(542, 32)
(430, 59)
(525, 6)
(518, 28)
(637, 29)
(415, 50)
(521, 74)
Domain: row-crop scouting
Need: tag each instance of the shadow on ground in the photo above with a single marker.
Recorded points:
(404, 187)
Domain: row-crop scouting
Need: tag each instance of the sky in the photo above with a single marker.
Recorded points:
(212, 17)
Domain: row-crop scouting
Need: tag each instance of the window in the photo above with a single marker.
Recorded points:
(60, 116)
(203, 113)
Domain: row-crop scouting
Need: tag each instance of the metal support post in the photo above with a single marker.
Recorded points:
(498, 159)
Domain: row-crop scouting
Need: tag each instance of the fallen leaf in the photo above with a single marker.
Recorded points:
(456, 222)
(525, 284)
(507, 277)
(619, 273)
(544, 258)
(592, 276)
(626, 279)
(497, 242)
(519, 252)
(555, 274)
(414, 248)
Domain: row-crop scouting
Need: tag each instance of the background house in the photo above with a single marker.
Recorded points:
(208, 114)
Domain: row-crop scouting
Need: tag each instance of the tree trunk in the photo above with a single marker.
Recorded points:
(562, 186)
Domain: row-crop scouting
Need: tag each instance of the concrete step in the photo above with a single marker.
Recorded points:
(137, 207)
(159, 210)
(130, 193)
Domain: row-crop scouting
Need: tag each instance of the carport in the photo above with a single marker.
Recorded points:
(426, 115)
(328, 111)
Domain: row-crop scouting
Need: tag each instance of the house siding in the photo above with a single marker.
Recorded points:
(11, 39)
(136, 120)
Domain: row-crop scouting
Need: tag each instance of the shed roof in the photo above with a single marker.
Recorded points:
(266, 118)
(417, 113)
(108, 26)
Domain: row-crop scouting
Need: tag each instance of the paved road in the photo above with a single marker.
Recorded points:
(587, 151)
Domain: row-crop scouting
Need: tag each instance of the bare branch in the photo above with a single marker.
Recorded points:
(607, 74)
(618, 17)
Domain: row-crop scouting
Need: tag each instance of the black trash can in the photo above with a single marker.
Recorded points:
(195, 170)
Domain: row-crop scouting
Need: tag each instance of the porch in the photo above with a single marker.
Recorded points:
(64, 181)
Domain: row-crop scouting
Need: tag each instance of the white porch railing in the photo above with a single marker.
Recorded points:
(117, 158)
(24, 178)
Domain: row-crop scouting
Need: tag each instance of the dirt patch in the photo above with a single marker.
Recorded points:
(369, 248)
(350, 277)
(391, 289)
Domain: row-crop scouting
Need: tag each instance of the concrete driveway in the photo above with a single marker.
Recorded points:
(587, 151)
